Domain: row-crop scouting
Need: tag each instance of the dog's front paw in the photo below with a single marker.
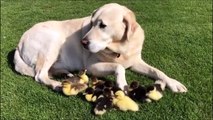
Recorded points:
(123, 87)
(176, 86)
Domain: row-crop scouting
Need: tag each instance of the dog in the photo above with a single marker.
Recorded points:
(105, 43)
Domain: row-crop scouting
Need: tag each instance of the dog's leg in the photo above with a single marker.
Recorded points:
(21, 66)
(42, 67)
(103, 69)
(141, 67)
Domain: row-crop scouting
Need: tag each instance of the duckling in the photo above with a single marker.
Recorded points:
(123, 102)
(100, 84)
(107, 92)
(104, 102)
(115, 89)
(134, 85)
(137, 92)
(96, 81)
(99, 87)
(83, 77)
(108, 84)
(96, 95)
(70, 88)
(91, 95)
(154, 92)
(73, 79)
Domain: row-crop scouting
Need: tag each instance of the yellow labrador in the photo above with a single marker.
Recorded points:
(105, 43)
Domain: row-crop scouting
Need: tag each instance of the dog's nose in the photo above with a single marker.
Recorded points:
(85, 43)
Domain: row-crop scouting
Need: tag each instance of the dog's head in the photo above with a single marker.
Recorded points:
(111, 23)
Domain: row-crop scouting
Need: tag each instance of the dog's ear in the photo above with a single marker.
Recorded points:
(131, 24)
(86, 26)
(95, 14)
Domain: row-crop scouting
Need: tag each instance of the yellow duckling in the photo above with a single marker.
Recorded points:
(123, 102)
(154, 92)
(70, 88)
(83, 77)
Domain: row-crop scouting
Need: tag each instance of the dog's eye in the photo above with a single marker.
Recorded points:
(102, 25)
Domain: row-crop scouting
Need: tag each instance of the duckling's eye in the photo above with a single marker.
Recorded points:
(102, 25)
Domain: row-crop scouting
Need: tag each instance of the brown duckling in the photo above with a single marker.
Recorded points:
(104, 102)
(137, 92)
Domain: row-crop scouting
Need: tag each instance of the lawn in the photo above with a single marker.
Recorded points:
(178, 42)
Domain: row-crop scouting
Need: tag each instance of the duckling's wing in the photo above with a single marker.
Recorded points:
(103, 103)
(79, 87)
(141, 93)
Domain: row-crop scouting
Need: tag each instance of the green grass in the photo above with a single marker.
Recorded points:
(178, 42)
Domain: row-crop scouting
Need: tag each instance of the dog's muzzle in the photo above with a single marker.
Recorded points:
(85, 43)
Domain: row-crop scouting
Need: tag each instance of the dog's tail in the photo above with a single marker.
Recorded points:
(21, 66)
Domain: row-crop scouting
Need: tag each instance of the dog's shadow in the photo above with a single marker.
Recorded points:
(10, 57)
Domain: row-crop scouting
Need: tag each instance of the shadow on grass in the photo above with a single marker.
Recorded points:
(10, 57)
(92, 104)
